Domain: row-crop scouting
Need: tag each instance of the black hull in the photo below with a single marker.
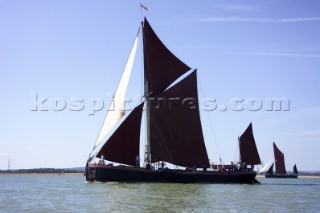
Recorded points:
(281, 176)
(130, 174)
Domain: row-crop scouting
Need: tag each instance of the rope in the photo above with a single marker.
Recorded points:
(214, 136)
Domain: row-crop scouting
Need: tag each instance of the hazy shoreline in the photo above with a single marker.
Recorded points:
(40, 173)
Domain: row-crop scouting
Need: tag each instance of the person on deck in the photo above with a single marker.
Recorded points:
(101, 161)
(239, 166)
(162, 165)
(137, 161)
(204, 168)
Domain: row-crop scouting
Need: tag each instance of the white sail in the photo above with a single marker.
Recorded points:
(266, 167)
(117, 107)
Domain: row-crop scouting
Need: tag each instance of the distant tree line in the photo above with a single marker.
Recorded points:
(43, 170)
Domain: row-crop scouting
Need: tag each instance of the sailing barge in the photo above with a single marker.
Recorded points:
(280, 166)
(174, 132)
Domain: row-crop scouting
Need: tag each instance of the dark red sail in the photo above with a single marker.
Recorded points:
(248, 149)
(295, 170)
(270, 170)
(123, 145)
(175, 127)
(279, 160)
(161, 67)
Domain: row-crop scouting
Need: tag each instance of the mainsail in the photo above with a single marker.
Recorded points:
(175, 128)
(117, 107)
(248, 149)
(175, 133)
(279, 160)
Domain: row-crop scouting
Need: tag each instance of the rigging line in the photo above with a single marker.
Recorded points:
(214, 136)
(141, 55)
(166, 147)
(141, 13)
(155, 123)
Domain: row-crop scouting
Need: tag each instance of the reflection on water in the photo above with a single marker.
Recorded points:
(70, 193)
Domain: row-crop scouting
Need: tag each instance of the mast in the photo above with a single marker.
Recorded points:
(148, 160)
(146, 93)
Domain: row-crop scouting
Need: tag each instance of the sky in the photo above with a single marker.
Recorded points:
(245, 52)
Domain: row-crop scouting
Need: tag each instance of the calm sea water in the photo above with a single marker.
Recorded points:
(70, 193)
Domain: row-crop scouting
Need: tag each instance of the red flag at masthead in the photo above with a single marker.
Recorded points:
(144, 7)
